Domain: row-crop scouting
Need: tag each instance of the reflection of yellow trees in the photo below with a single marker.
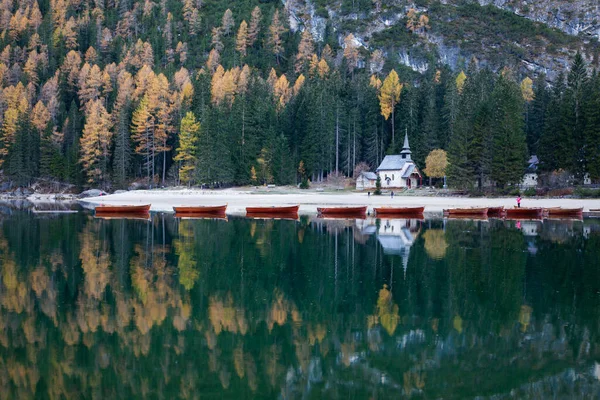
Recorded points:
(525, 317)
(414, 380)
(154, 289)
(435, 243)
(14, 293)
(457, 323)
(386, 313)
(280, 308)
(184, 248)
(95, 262)
(225, 317)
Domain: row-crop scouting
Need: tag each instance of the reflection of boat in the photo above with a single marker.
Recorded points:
(200, 209)
(342, 212)
(276, 215)
(121, 215)
(36, 211)
(594, 212)
(564, 212)
(189, 215)
(471, 212)
(497, 212)
(524, 212)
(273, 210)
(342, 216)
(467, 217)
(123, 209)
(396, 211)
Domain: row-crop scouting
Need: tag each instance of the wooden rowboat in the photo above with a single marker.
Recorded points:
(466, 211)
(498, 212)
(392, 211)
(525, 212)
(273, 210)
(200, 209)
(342, 211)
(123, 209)
(563, 212)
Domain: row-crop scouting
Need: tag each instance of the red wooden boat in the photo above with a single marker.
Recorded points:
(564, 212)
(123, 209)
(273, 210)
(200, 209)
(342, 211)
(466, 212)
(110, 215)
(394, 211)
(525, 212)
(498, 212)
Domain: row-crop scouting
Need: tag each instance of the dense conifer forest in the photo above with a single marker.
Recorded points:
(103, 93)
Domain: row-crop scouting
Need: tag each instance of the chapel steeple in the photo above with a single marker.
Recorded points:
(405, 153)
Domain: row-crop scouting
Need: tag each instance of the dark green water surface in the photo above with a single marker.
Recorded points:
(308, 309)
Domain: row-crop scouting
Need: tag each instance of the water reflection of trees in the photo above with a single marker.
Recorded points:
(190, 307)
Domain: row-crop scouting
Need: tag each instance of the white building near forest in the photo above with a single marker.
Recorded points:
(395, 171)
(399, 171)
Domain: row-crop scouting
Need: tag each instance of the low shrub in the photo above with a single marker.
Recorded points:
(561, 192)
(530, 192)
(587, 193)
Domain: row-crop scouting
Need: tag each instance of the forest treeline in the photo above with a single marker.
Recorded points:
(102, 93)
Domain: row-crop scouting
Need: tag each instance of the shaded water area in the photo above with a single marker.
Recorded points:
(240, 308)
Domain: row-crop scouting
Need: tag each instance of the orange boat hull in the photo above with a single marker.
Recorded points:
(273, 210)
(342, 211)
(123, 209)
(535, 213)
(564, 212)
(200, 210)
(496, 212)
(392, 211)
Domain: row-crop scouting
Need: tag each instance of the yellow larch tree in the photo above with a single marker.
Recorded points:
(323, 69)
(214, 60)
(254, 28)
(282, 92)
(227, 22)
(306, 49)
(95, 143)
(241, 43)
(275, 40)
(527, 89)
(460, 81)
(389, 96)
(351, 53)
(142, 129)
(186, 152)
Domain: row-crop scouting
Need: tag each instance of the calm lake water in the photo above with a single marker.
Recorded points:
(240, 309)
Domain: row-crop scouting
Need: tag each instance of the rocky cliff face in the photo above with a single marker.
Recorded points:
(531, 36)
(574, 17)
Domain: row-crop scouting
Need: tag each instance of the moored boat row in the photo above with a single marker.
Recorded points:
(349, 212)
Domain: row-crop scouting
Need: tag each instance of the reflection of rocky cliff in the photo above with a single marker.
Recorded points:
(132, 309)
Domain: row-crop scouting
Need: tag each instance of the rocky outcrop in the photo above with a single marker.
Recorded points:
(455, 37)
(575, 17)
